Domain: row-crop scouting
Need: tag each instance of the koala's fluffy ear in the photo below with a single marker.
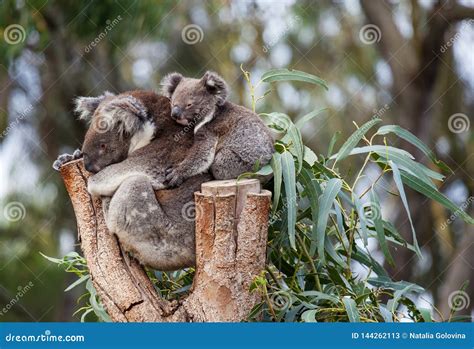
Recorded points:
(216, 86)
(86, 106)
(169, 84)
(129, 113)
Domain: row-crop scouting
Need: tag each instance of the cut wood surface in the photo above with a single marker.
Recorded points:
(231, 237)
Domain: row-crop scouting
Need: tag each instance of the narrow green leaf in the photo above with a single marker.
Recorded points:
(425, 314)
(415, 168)
(309, 156)
(386, 314)
(333, 141)
(98, 308)
(77, 282)
(385, 282)
(288, 167)
(403, 292)
(398, 182)
(295, 142)
(277, 178)
(421, 187)
(367, 260)
(304, 119)
(326, 200)
(378, 224)
(331, 251)
(351, 309)
(320, 296)
(362, 219)
(313, 191)
(340, 226)
(277, 121)
(84, 315)
(355, 138)
(292, 75)
(51, 259)
(309, 316)
(411, 138)
(403, 159)
(382, 149)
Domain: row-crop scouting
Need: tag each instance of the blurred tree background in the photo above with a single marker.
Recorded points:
(408, 62)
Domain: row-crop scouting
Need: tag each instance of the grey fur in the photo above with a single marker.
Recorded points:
(153, 228)
(229, 139)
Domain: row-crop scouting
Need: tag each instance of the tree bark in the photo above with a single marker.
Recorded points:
(231, 237)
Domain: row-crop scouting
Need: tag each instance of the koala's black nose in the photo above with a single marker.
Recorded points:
(88, 164)
(176, 112)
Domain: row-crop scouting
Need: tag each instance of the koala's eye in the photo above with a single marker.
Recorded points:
(103, 146)
(189, 105)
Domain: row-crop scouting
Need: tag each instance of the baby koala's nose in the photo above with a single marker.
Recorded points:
(176, 112)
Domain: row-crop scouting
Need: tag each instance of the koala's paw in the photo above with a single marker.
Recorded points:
(173, 178)
(65, 158)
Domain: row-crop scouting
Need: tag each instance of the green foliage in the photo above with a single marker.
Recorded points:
(310, 273)
(76, 264)
(172, 285)
(320, 228)
(169, 285)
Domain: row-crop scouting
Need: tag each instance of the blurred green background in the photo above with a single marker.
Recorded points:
(408, 62)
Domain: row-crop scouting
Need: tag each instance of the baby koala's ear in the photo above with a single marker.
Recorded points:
(169, 84)
(216, 86)
(86, 106)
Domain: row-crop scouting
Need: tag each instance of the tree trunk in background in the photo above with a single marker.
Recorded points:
(452, 298)
(415, 64)
(231, 237)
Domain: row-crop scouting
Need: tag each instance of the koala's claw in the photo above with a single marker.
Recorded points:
(65, 158)
(172, 177)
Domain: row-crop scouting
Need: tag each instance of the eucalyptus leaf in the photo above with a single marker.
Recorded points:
(411, 138)
(288, 169)
(351, 309)
(355, 138)
(77, 282)
(421, 187)
(304, 119)
(292, 75)
(398, 182)
(277, 178)
(326, 200)
(378, 224)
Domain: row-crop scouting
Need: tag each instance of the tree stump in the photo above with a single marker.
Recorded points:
(231, 237)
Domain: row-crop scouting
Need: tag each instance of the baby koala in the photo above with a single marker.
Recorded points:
(228, 139)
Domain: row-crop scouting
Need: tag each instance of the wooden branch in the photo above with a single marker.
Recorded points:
(231, 236)
(458, 12)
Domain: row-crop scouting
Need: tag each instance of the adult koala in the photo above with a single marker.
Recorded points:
(128, 146)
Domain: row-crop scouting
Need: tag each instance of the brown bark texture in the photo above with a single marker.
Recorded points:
(231, 238)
